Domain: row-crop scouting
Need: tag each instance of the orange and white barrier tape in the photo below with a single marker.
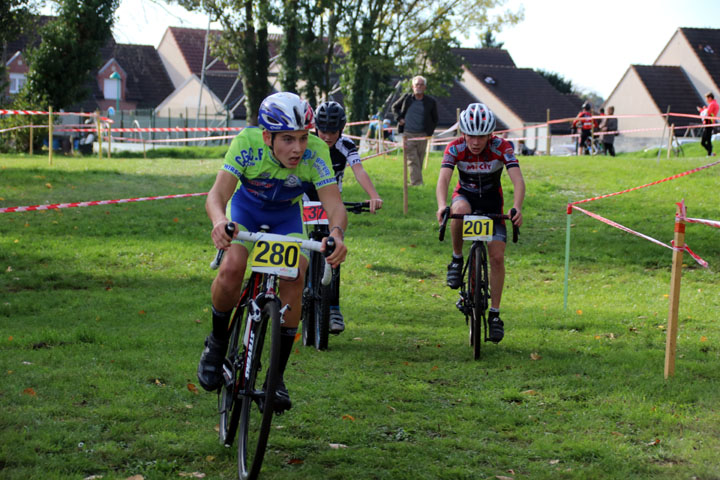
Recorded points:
(54, 206)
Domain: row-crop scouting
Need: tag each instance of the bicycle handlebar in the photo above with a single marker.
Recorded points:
(257, 236)
(327, 273)
(357, 207)
(495, 216)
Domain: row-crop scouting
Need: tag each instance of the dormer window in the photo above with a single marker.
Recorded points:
(708, 49)
(111, 88)
(489, 80)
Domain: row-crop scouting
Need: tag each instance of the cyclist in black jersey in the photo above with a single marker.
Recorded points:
(330, 121)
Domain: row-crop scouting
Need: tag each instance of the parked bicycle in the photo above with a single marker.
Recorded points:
(250, 349)
(475, 291)
(316, 296)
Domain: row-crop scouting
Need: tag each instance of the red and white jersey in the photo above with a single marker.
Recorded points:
(480, 174)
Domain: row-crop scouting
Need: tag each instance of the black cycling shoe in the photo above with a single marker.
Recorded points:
(209, 371)
(282, 399)
(454, 273)
(495, 328)
(337, 323)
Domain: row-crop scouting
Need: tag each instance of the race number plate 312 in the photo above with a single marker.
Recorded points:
(477, 228)
(275, 257)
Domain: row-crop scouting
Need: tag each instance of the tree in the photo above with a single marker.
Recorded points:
(59, 68)
(489, 41)
(560, 83)
(15, 16)
(243, 44)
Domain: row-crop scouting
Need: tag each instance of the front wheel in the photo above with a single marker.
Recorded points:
(478, 278)
(257, 391)
(308, 305)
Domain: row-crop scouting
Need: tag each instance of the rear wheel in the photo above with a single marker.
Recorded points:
(308, 304)
(257, 400)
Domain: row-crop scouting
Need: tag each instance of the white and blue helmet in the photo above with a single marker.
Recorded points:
(285, 111)
(477, 119)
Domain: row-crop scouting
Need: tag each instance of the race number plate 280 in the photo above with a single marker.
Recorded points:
(314, 214)
(279, 257)
(477, 228)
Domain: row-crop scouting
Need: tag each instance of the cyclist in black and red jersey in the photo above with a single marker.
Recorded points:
(587, 125)
(330, 121)
(480, 158)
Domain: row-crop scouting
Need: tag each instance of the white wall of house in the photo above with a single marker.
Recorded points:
(173, 60)
(678, 51)
(184, 100)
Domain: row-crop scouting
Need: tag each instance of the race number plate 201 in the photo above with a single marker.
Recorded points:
(314, 214)
(276, 257)
(477, 228)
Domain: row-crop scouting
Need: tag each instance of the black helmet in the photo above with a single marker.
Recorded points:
(586, 106)
(330, 117)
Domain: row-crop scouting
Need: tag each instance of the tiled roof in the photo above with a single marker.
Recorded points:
(31, 37)
(705, 42)
(221, 84)
(484, 56)
(527, 93)
(459, 98)
(148, 84)
(191, 42)
(671, 86)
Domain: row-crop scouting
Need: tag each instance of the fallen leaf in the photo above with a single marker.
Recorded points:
(579, 312)
(25, 362)
(554, 462)
(295, 461)
(702, 339)
(503, 477)
(210, 458)
(368, 265)
(665, 295)
(529, 392)
(9, 269)
(337, 445)
(435, 295)
(434, 367)
(357, 339)
(10, 338)
(192, 475)
(176, 220)
(420, 280)
(193, 388)
(93, 477)
(348, 417)
(141, 312)
(30, 391)
(617, 434)
(654, 442)
(391, 408)
(48, 185)
(136, 477)
(298, 336)
(535, 356)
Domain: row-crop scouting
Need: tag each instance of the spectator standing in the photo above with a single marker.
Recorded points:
(609, 124)
(417, 117)
(710, 112)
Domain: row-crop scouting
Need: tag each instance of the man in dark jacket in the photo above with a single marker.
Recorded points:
(417, 117)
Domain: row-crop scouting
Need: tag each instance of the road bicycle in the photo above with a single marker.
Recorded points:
(478, 227)
(316, 296)
(246, 400)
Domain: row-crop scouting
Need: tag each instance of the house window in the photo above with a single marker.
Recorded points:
(111, 89)
(17, 80)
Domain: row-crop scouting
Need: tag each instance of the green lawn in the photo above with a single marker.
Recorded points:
(103, 311)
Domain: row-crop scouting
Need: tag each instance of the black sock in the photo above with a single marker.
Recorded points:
(220, 321)
(287, 339)
(457, 258)
(494, 312)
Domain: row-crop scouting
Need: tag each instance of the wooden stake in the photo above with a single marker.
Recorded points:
(675, 276)
(549, 138)
(109, 130)
(405, 176)
(670, 139)
(98, 126)
(50, 135)
(31, 136)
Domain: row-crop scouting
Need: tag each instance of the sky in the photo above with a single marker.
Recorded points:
(590, 43)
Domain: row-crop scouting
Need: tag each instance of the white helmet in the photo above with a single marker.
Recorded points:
(477, 119)
(285, 111)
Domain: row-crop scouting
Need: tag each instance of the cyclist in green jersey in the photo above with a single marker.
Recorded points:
(265, 174)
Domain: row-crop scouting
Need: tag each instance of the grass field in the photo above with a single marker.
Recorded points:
(103, 311)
